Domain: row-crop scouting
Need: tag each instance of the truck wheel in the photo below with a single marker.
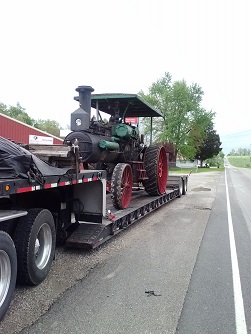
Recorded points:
(184, 188)
(121, 185)
(181, 188)
(35, 240)
(155, 161)
(8, 271)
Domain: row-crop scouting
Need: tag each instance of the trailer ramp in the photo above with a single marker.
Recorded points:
(91, 235)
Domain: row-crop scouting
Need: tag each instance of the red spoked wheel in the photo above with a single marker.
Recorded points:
(155, 160)
(121, 185)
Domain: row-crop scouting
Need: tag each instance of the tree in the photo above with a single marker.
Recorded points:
(216, 160)
(49, 126)
(221, 155)
(17, 112)
(3, 108)
(210, 146)
(184, 121)
(232, 152)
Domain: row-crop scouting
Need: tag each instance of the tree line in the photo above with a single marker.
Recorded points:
(240, 152)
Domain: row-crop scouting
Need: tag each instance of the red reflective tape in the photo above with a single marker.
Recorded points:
(55, 185)
(90, 179)
(64, 183)
(24, 190)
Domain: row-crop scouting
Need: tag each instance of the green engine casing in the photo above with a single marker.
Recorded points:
(126, 131)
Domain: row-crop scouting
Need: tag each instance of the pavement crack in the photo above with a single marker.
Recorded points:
(151, 293)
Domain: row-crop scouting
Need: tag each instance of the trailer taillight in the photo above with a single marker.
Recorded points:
(7, 187)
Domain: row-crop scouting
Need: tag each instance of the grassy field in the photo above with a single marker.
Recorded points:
(195, 170)
(240, 161)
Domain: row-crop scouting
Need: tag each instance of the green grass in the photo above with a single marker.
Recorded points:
(195, 170)
(240, 161)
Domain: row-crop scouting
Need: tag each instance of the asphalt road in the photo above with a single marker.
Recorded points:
(212, 304)
(170, 270)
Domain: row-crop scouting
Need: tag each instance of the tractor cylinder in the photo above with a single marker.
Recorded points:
(109, 145)
(89, 148)
(126, 131)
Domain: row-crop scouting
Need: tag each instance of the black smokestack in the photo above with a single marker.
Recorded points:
(85, 97)
(80, 118)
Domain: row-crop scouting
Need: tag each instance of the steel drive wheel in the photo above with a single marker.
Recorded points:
(35, 240)
(121, 185)
(155, 160)
(8, 271)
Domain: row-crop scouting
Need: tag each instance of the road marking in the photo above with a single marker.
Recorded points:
(240, 321)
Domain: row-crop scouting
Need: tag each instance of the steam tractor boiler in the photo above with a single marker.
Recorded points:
(116, 146)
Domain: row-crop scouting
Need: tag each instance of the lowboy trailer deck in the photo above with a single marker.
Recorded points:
(89, 235)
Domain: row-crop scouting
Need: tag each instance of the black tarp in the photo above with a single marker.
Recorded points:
(15, 162)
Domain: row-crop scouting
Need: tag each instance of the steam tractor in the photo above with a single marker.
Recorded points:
(116, 145)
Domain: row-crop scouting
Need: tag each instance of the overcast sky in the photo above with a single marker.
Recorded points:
(50, 47)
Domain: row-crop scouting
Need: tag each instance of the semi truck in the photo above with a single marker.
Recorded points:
(50, 196)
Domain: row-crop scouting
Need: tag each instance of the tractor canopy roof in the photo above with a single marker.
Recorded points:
(128, 105)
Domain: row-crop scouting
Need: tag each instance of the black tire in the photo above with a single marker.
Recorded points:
(8, 272)
(35, 240)
(184, 187)
(8, 226)
(155, 156)
(181, 188)
(121, 185)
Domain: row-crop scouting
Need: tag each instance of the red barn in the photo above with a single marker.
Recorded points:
(20, 132)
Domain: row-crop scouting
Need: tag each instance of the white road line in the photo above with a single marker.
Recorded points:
(240, 321)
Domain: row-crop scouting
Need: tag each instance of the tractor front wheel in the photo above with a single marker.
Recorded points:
(121, 185)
